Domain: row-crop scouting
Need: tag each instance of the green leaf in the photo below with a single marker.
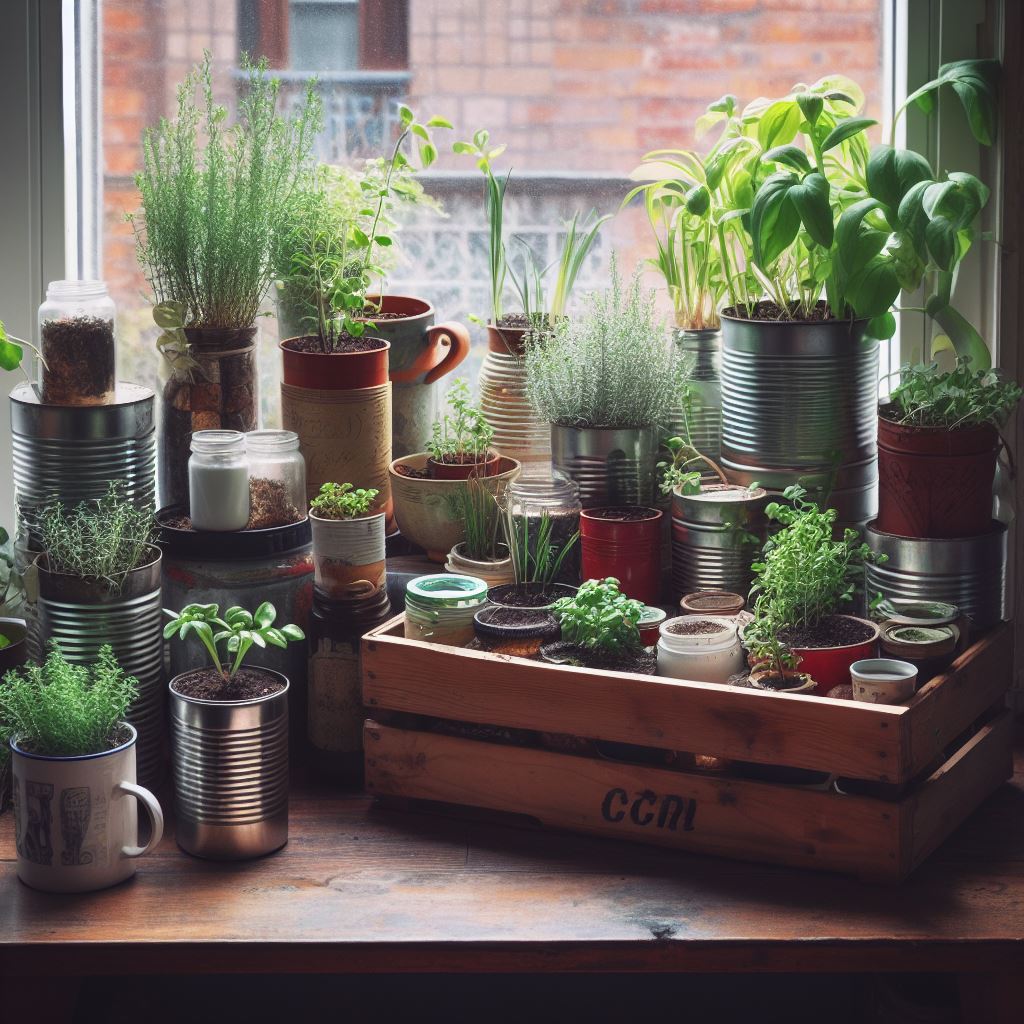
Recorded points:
(169, 315)
(439, 122)
(428, 153)
(882, 328)
(293, 632)
(774, 221)
(790, 155)
(810, 197)
(779, 124)
(264, 615)
(810, 106)
(967, 342)
(892, 172)
(940, 234)
(874, 289)
(465, 148)
(698, 200)
(11, 352)
(405, 115)
(845, 129)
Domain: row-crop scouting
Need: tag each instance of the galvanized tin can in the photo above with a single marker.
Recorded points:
(701, 420)
(716, 535)
(72, 453)
(230, 762)
(81, 615)
(969, 572)
(610, 466)
(799, 405)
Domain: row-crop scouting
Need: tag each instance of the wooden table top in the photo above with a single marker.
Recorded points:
(364, 888)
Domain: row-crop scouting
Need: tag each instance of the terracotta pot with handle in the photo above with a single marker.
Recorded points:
(335, 371)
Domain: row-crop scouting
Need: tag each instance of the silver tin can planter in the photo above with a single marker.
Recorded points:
(81, 615)
(716, 535)
(610, 466)
(799, 404)
(230, 763)
(702, 421)
(76, 818)
(968, 572)
(74, 452)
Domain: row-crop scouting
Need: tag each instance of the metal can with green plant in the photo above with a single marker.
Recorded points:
(348, 542)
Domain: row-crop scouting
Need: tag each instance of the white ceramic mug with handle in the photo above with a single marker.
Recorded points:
(883, 680)
(76, 818)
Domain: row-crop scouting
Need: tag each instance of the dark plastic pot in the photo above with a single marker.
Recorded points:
(336, 371)
(15, 654)
(464, 470)
(830, 666)
(629, 550)
(935, 483)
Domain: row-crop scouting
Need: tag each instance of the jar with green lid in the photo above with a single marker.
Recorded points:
(439, 608)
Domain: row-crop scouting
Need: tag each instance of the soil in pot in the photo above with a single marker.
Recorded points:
(769, 311)
(343, 343)
(208, 684)
(561, 652)
(519, 618)
(79, 355)
(831, 631)
(462, 465)
(621, 514)
(692, 625)
(778, 681)
(518, 321)
(528, 595)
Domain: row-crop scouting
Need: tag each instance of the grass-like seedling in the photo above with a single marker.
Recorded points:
(64, 710)
(477, 509)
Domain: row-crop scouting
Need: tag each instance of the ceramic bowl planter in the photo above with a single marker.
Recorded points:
(15, 653)
(422, 509)
(230, 760)
(494, 573)
(76, 818)
(421, 353)
(81, 615)
(348, 556)
(716, 534)
(623, 542)
(797, 396)
(935, 482)
(610, 466)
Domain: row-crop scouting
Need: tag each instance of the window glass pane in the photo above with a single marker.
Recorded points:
(579, 92)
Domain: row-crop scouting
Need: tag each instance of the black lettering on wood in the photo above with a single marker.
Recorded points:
(606, 808)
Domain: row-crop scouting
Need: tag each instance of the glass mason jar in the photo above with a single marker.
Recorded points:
(218, 481)
(76, 340)
(277, 478)
(526, 501)
(440, 608)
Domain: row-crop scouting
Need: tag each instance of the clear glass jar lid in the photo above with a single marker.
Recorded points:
(72, 290)
(218, 442)
(554, 487)
(271, 442)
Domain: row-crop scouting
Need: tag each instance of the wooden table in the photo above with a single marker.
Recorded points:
(367, 889)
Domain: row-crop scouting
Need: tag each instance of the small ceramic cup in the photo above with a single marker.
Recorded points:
(76, 818)
(883, 680)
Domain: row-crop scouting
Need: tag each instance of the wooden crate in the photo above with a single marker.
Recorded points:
(911, 773)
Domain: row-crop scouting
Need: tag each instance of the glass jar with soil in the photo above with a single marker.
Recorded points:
(76, 341)
(214, 388)
(335, 711)
(277, 478)
(552, 495)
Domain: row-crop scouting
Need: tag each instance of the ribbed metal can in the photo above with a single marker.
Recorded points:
(701, 420)
(610, 466)
(518, 433)
(230, 763)
(716, 535)
(81, 615)
(969, 572)
(72, 453)
(800, 405)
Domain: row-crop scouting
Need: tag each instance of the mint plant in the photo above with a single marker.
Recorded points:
(238, 630)
(462, 434)
(599, 617)
(342, 501)
(959, 398)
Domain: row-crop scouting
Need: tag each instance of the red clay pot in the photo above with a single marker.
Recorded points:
(935, 483)
(830, 666)
(420, 348)
(508, 341)
(464, 470)
(336, 371)
(629, 550)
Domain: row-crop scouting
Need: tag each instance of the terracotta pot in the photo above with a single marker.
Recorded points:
(629, 550)
(335, 371)
(935, 483)
(421, 506)
(463, 470)
(509, 341)
(830, 666)
(796, 681)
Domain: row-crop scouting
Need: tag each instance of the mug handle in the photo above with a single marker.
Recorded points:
(156, 817)
(433, 360)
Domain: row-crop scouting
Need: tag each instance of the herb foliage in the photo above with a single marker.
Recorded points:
(342, 501)
(960, 398)
(599, 617)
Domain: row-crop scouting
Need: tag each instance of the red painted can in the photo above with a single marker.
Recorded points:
(624, 542)
(830, 666)
(336, 371)
(934, 482)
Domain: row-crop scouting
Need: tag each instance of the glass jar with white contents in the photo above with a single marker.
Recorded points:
(218, 481)
(277, 478)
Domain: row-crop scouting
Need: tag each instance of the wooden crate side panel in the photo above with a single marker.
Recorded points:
(855, 740)
(732, 818)
(944, 707)
(954, 791)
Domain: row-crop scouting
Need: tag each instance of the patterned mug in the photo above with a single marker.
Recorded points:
(76, 818)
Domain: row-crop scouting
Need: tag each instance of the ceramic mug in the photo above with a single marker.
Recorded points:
(883, 680)
(76, 818)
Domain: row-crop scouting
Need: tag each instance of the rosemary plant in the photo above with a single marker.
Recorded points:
(102, 539)
(613, 366)
(477, 509)
(215, 197)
